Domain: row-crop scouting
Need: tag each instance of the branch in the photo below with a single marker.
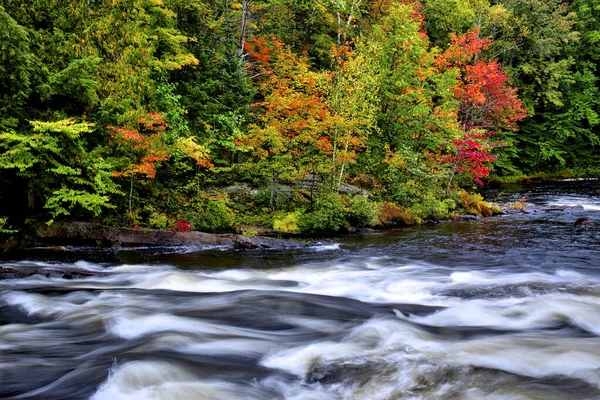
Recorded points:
(510, 48)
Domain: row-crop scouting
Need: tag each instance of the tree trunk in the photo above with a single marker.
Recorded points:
(273, 199)
(130, 192)
(243, 27)
(339, 35)
(451, 177)
(343, 165)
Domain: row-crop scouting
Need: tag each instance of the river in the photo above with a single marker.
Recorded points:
(499, 308)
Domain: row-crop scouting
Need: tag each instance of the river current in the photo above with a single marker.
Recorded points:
(499, 308)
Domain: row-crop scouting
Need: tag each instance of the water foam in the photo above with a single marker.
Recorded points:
(158, 380)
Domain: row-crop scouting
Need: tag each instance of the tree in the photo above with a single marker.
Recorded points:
(417, 110)
(58, 167)
(215, 93)
(144, 151)
(347, 12)
(541, 56)
(292, 136)
(488, 104)
(352, 98)
(445, 17)
(17, 64)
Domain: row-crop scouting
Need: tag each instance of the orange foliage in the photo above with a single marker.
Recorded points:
(390, 213)
(487, 101)
(294, 118)
(150, 148)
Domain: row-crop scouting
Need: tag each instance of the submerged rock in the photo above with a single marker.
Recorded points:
(574, 208)
(27, 271)
(582, 221)
(253, 243)
(528, 208)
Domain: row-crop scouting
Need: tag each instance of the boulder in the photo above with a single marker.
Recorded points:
(241, 189)
(314, 182)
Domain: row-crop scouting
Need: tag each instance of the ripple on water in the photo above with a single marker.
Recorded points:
(503, 308)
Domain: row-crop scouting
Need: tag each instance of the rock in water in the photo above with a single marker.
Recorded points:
(582, 221)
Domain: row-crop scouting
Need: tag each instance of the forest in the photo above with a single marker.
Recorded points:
(294, 115)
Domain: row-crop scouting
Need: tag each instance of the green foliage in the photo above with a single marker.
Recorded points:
(550, 63)
(288, 223)
(334, 211)
(160, 221)
(362, 212)
(76, 81)
(431, 207)
(330, 215)
(249, 232)
(3, 226)
(417, 105)
(214, 215)
(342, 90)
(59, 168)
(17, 65)
(445, 17)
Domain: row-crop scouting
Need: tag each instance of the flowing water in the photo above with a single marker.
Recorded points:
(500, 308)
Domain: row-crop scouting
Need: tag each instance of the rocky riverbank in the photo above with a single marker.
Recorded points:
(45, 242)
(84, 231)
(74, 240)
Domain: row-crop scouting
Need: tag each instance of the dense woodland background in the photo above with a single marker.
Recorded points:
(145, 112)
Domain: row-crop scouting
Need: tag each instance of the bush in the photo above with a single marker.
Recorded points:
(366, 181)
(288, 223)
(160, 221)
(249, 232)
(3, 229)
(181, 226)
(473, 203)
(390, 213)
(362, 212)
(330, 215)
(406, 194)
(215, 215)
(433, 208)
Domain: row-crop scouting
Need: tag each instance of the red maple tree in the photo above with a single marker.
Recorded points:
(487, 104)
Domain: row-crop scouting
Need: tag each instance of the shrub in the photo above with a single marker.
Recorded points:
(181, 226)
(390, 213)
(433, 208)
(214, 216)
(249, 232)
(366, 181)
(330, 215)
(3, 229)
(406, 193)
(160, 221)
(473, 203)
(362, 212)
(133, 219)
(288, 223)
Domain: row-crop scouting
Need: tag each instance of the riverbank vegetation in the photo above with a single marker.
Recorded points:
(299, 116)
